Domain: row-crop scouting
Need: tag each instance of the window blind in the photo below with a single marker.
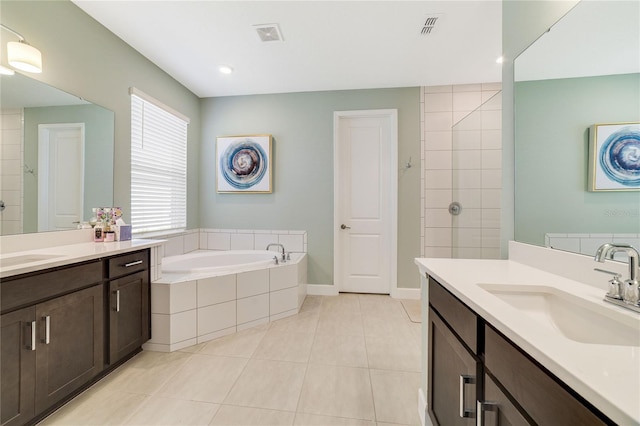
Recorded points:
(158, 166)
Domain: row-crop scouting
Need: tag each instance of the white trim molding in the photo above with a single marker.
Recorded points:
(322, 290)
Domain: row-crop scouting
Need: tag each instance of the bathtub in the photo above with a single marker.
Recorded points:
(208, 294)
(218, 262)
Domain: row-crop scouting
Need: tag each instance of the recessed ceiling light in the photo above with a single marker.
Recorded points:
(225, 69)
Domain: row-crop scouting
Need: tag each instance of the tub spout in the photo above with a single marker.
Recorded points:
(284, 257)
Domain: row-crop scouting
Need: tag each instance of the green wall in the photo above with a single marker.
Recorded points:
(551, 171)
(98, 155)
(82, 57)
(302, 127)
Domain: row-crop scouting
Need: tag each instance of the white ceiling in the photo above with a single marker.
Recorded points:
(328, 45)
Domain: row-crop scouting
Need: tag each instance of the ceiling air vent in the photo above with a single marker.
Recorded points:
(269, 32)
(431, 24)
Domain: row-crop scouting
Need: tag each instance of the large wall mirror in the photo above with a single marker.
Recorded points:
(584, 71)
(57, 157)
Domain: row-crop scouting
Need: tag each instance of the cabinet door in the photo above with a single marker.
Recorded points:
(453, 374)
(498, 409)
(71, 348)
(18, 366)
(129, 314)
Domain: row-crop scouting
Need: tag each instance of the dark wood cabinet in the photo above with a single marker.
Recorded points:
(63, 328)
(18, 363)
(70, 351)
(504, 386)
(128, 314)
(497, 409)
(453, 373)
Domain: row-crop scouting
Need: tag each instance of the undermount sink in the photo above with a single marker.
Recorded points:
(26, 258)
(575, 318)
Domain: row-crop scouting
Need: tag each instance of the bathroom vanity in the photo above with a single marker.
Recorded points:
(509, 343)
(69, 317)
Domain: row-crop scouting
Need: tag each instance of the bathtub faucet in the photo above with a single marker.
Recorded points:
(284, 257)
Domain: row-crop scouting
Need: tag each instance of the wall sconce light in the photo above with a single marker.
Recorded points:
(21, 55)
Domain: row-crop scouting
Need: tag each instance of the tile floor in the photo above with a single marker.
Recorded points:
(344, 360)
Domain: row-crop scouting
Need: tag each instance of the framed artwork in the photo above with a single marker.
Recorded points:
(614, 157)
(243, 164)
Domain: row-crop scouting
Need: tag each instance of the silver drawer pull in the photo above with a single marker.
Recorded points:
(464, 380)
(33, 336)
(47, 329)
(128, 265)
(481, 408)
(117, 300)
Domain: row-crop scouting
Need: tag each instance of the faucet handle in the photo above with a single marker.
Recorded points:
(615, 291)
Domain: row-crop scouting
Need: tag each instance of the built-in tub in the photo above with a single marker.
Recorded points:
(218, 262)
(207, 294)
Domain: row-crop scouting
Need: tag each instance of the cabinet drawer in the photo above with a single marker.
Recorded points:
(538, 393)
(128, 263)
(460, 318)
(38, 287)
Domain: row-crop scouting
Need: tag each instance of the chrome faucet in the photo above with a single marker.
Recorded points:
(631, 294)
(284, 257)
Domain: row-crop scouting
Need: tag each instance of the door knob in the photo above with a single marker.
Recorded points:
(343, 226)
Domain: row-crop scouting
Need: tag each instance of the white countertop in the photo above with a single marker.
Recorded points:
(67, 254)
(608, 376)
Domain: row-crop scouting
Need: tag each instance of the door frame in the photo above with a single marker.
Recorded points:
(392, 226)
(44, 131)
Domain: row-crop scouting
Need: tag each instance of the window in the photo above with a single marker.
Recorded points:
(158, 165)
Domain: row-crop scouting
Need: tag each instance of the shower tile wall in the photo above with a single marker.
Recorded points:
(11, 176)
(462, 165)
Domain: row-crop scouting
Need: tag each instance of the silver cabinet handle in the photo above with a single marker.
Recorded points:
(464, 380)
(343, 226)
(481, 407)
(47, 329)
(33, 336)
(130, 264)
(117, 300)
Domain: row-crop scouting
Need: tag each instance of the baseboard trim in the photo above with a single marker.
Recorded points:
(405, 293)
(322, 290)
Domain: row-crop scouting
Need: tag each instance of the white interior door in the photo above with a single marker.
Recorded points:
(60, 175)
(365, 201)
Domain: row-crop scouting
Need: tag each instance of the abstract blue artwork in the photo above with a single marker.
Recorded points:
(615, 157)
(244, 163)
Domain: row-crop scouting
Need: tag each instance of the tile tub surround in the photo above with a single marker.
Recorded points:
(178, 243)
(588, 243)
(190, 309)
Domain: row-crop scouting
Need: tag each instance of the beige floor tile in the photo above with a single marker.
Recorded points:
(304, 419)
(285, 346)
(337, 391)
(168, 411)
(242, 344)
(340, 323)
(302, 323)
(342, 304)
(206, 378)
(413, 309)
(311, 303)
(146, 372)
(384, 325)
(375, 304)
(331, 349)
(193, 348)
(268, 384)
(395, 396)
(399, 353)
(103, 407)
(230, 415)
